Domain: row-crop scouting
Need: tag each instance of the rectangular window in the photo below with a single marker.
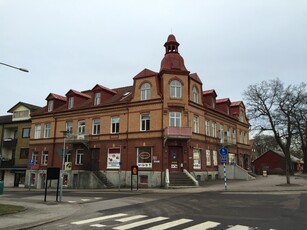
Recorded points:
(26, 132)
(214, 129)
(96, 126)
(234, 136)
(208, 157)
(228, 136)
(97, 98)
(196, 159)
(114, 124)
(47, 130)
(81, 127)
(44, 159)
(79, 156)
(215, 158)
(145, 122)
(241, 137)
(50, 105)
(175, 119)
(68, 156)
(70, 102)
(207, 128)
(221, 133)
(24, 153)
(69, 127)
(144, 157)
(196, 124)
(113, 161)
(35, 156)
(37, 133)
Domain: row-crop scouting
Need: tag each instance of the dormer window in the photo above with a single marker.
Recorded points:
(175, 89)
(145, 91)
(97, 98)
(70, 102)
(195, 95)
(50, 105)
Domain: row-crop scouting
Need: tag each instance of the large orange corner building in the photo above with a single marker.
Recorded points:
(165, 123)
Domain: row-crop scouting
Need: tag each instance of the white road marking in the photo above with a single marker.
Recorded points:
(84, 200)
(140, 223)
(170, 224)
(239, 227)
(203, 226)
(126, 219)
(72, 201)
(98, 219)
(97, 225)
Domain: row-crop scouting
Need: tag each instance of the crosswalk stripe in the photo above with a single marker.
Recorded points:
(170, 224)
(203, 226)
(98, 219)
(97, 225)
(140, 223)
(238, 227)
(126, 219)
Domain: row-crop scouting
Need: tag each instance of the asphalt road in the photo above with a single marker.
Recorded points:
(214, 210)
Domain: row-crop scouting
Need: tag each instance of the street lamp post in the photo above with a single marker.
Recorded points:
(63, 165)
(14, 67)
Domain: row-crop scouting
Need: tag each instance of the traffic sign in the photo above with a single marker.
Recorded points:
(223, 159)
(223, 151)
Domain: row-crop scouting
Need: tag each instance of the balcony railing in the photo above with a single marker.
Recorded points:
(7, 163)
(77, 138)
(178, 132)
(9, 142)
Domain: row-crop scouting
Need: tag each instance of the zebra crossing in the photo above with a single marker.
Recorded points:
(123, 221)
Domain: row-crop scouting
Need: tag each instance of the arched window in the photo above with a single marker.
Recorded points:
(175, 89)
(145, 91)
(195, 94)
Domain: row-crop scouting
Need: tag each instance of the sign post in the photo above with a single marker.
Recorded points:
(223, 154)
(31, 164)
(135, 172)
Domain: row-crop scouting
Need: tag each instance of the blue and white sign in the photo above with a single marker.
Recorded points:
(223, 159)
(31, 163)
(223, 151)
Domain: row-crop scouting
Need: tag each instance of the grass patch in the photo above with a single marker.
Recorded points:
(8, 209)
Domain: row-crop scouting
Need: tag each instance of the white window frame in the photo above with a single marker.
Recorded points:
(207, 127)
(196, 124)
(214, 156)
(35, 157)
(50, 105)
(208, 157)
(69, 127)
(145, 91)
(96, 126)
(47, 130)
(221, 133)
(234, 136)
(37, 131)
(145, 122)
(176, 88)
(68, 156)
(115, 122)
(214, 134)
(97, 99)
(81, 127)
(175, 119)
(70, 102)
(44, 160)
(79, 156)
(195, 95)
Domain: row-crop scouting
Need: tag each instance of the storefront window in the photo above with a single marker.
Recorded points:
(113, 158)
(208, 157)
(196, 159)
(144, 157)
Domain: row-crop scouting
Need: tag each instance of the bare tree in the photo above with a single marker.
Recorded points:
(264, 143)
(270, 107)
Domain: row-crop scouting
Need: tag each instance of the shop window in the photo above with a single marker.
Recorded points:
(144, 157)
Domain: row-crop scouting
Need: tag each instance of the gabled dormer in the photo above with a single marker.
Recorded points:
(223, 105)
(76, 98)
(101, 93)
(237, 109)
(209, 98)
(22, 111)
(145, 85)
(195, 88)
(55, 101)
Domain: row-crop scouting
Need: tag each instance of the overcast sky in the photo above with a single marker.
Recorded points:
(76, 44)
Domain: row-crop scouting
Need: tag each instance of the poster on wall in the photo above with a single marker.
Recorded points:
(196, 159)
(113, 158)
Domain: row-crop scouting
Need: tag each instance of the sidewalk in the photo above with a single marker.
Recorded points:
(38, 212)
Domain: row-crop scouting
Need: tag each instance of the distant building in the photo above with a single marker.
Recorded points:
(273, 162)
(14, 144)
(165, 122)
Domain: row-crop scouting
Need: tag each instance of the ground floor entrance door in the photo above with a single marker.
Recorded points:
(175, 158)
(95, 159)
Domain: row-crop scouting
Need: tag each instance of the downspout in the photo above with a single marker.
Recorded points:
(54, 140)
